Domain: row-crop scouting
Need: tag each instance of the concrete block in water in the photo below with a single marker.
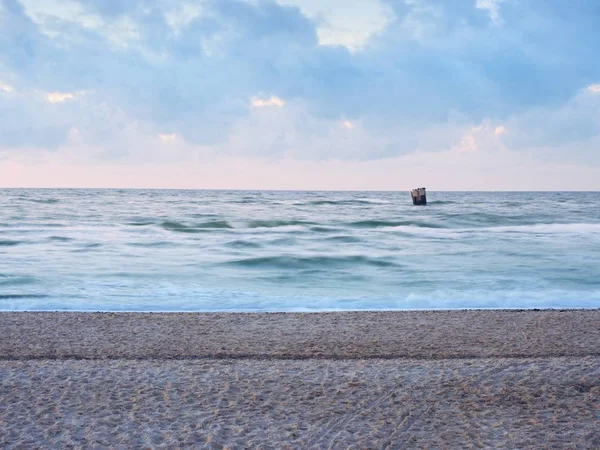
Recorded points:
(419, 196)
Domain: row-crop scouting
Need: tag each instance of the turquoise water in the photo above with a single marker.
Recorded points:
(169, 250)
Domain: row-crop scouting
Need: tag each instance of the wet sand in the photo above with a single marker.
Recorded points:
(508, 379)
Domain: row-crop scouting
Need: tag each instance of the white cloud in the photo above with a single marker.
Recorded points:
(339, 24)
(480, 137)
(272, 101)
(67, 10)
(492, 6)
(183, 15)
(594, 88)
(167, 137)
(6, 87)
(59, 97)
(468, 144)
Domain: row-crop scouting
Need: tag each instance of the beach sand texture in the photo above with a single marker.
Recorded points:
(464, 379)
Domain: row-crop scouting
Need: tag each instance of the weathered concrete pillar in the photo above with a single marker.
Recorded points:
(419, 196)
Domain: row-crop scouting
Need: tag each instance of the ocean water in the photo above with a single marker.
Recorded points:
(170, 250)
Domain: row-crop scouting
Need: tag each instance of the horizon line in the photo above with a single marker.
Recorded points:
(289, 190)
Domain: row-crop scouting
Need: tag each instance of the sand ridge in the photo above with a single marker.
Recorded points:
(338, 335)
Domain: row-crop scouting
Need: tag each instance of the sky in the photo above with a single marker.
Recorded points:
(300, 94)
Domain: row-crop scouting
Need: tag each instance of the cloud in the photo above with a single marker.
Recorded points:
(468, 144)
(271, 101)
(6, 88)
(167, 137)
(447, 170)
(420, 76)
(493, 8)
(59, 97)
(336, 24)
(567, 132)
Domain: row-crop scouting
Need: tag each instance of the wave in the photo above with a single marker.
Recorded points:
(511, 204)
(60, 239)
(20, 296)
(430, 233)
(246, 200)
(13, 280)
(40, 224)
(540, 228)
(310, 262)
(320, 229)
(287, 240)
(277, 223)
(441, 202)
(390, 223)
(342, 202)
(140, 224)
(202, 215)
(47, 201)
(25, 227)
(242, 244)
(344, 239)
(87, 247)
(197, 228)
(550, 228)
(9, 243)
(151, 244)
(490, 219)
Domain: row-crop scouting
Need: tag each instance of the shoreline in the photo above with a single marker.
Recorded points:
(299, 311)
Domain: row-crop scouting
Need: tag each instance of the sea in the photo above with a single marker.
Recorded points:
(211, 250)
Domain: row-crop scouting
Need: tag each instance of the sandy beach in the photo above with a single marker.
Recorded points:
(460, 379)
